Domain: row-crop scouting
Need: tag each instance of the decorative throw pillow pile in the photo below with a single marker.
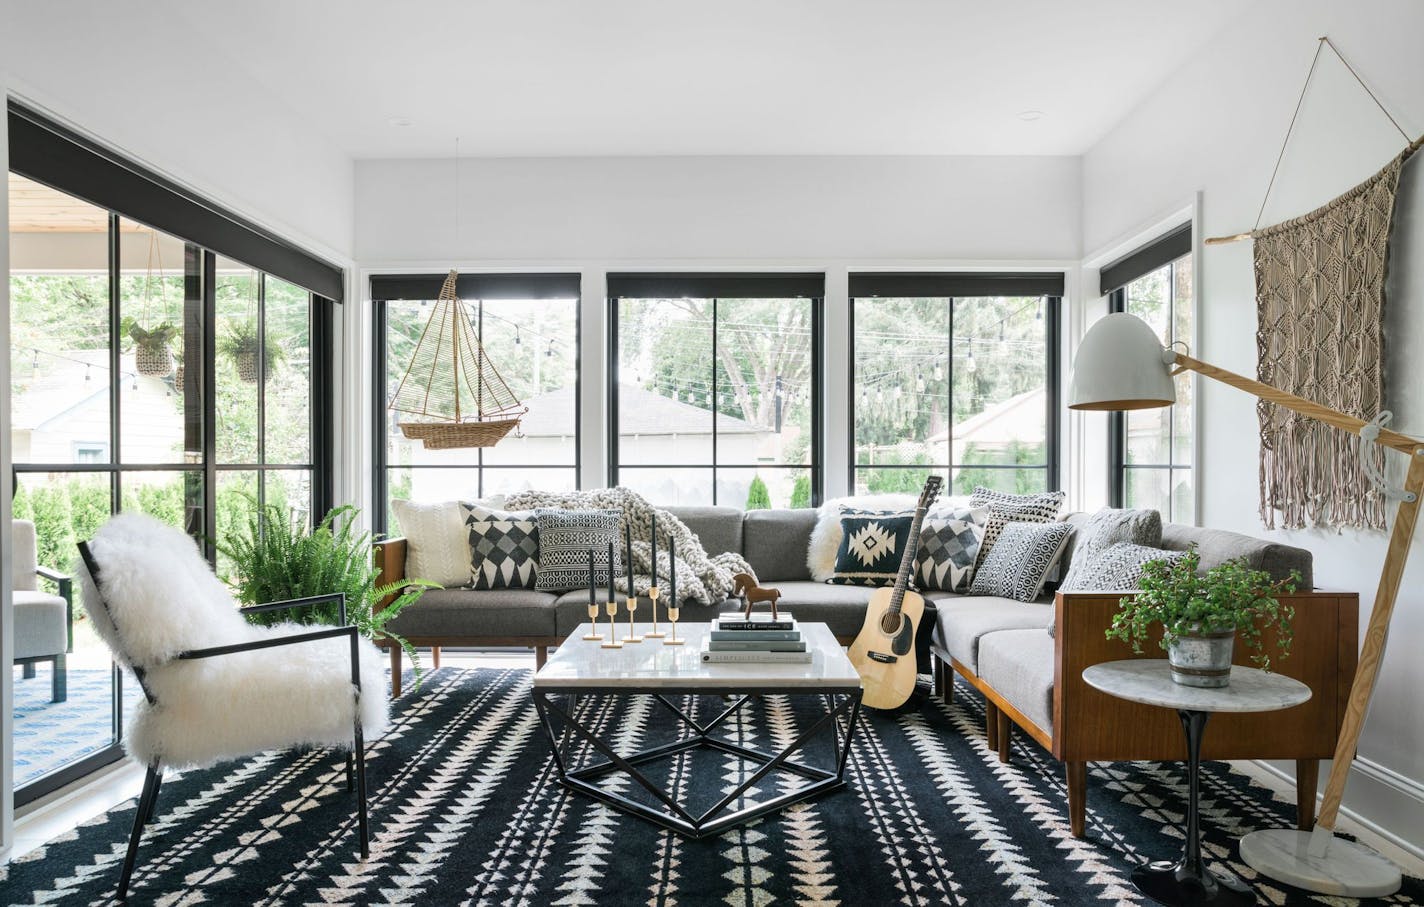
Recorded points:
(949, 546)
(1104, 529)
(565, 537)
(1019, 508)
(872, 544)
(504, 554)
(1021, 560)
(437, 549)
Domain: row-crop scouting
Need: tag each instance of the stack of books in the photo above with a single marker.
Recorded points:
(760, 640)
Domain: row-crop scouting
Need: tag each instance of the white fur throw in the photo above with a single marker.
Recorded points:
(160, 599)
(707, 580)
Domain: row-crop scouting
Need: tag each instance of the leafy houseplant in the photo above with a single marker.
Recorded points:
(1228, 599)
(272, 558)
(241, 344)
(152, 354)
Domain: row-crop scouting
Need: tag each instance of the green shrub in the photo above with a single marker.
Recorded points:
(758, 497)
(801, 491)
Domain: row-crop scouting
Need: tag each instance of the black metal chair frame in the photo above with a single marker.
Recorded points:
(355, 760)
(59, 682)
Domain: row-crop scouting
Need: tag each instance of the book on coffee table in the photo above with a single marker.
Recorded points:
(737, 623)
(755, 645)
(710, 657)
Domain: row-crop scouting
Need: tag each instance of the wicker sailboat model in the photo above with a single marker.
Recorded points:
(451, 389)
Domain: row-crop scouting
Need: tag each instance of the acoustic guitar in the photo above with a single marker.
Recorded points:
(884, 652)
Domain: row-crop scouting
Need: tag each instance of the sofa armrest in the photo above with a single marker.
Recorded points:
(389, 558)
(1091, 725)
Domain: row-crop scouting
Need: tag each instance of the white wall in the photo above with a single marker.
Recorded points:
(142, 81)
(1216, 127)
(709, 208)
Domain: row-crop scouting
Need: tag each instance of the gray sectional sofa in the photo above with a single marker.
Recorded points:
(1030, 679)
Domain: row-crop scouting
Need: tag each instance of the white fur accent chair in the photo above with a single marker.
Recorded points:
(215, 686)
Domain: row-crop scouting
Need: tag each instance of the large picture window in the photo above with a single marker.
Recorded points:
(715, 388)
(1151, 450)
(955, 375)
(529, 327)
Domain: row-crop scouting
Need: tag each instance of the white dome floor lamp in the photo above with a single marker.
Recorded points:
(1121, 365)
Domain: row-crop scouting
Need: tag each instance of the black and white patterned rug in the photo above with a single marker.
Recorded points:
(466, 810)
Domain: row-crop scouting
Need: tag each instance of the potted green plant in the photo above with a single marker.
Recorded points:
(1203, 614)
(153, 355)
(241, 343)
(272, 558)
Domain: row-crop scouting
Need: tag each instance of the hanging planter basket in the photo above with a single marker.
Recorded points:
(246, 363)
(155, 362)
(450, 375)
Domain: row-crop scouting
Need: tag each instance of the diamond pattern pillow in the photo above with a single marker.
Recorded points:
(871, 547)
(504, 554)
(565, 537)
(1019, 508)
(949, 545)
(1104, 529)
(1021, 560)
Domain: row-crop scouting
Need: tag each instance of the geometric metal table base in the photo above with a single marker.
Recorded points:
(719, 817)
(1319, 861)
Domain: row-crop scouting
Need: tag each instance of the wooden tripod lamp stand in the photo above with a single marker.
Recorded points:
(1121, 365)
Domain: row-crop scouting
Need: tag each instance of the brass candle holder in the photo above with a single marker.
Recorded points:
(612, 610)
(673, 612)
(632, 630)
(593, 616)
(654, 633)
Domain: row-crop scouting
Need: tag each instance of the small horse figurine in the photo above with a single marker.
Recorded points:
(751, 593)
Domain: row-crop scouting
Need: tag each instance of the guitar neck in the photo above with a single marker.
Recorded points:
(907, 559)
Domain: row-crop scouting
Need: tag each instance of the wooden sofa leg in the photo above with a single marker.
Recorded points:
(937, 671)
(435, 656)
(541, 655)
(1307, 776)
(948, 670)
(395, 671)
(1077, 773)
(991, 724)
(1006, 735)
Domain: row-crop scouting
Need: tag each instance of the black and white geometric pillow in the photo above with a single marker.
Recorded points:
(1019, 508)
(1021, 560)
(565, 538)
(1104, 529)
(871, 547)
(1118, 568)
(504, 554)
(949, 546)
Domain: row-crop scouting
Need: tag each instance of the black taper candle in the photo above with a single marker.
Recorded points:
(610, 573)
(672, 572)
(655, 548)
(592, 594)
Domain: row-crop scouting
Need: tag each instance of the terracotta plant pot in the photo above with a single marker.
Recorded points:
(1202, 659)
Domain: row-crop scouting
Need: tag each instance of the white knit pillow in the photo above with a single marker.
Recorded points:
(438, 544)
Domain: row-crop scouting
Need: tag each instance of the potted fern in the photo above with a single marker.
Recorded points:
(1203, 615)
(241, 343)
(272, 558)
(153, 355)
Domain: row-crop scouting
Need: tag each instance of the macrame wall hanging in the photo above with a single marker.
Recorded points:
(1320, 294)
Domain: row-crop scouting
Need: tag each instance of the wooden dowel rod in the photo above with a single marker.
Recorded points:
(1223, 240)
(1351, 424)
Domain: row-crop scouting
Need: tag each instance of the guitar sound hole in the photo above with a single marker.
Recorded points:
(890, 623)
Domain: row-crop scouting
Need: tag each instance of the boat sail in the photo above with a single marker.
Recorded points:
(451, 388)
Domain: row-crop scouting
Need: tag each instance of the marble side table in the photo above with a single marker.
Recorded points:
(1149, 680)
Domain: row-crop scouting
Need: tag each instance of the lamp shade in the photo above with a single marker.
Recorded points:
(1121, 365)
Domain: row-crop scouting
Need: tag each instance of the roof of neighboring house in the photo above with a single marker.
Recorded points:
(640, 412)
(62, 387)
(991, 417)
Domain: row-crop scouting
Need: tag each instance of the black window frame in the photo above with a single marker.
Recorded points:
(1049, 286)
(53, 156)
(718, 286)
(386, 288)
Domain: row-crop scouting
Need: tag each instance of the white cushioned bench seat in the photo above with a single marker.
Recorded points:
(1018, 664)
(962, 621)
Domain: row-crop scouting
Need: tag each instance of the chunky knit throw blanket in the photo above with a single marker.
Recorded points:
(700, 578)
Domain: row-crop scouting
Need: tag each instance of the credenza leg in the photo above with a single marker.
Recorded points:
(1077, 773)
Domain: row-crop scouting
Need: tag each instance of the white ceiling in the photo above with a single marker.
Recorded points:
(634, 77)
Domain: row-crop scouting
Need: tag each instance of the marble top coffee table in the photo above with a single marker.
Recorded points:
(582, 668)
(1149, 680)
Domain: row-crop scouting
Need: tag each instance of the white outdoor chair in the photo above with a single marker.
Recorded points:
(44, 623)
(216, 687)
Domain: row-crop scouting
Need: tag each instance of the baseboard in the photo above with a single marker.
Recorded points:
(1368, 777)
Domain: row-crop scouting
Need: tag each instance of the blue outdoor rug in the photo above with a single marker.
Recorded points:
(466, 809)
(50, 735)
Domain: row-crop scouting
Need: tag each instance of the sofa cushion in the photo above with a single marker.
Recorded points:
(504, 553)
(719, 529)
(775, 542)
(571, 609)
(871, 548)
(1021, 561)
(41, 626)
(1005, 508)
(961, 622)
(437, 543)
(467, 613)
(842, 608)
(949, 547)
(1108, 527)
(1216, 546)
(1018, 665)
